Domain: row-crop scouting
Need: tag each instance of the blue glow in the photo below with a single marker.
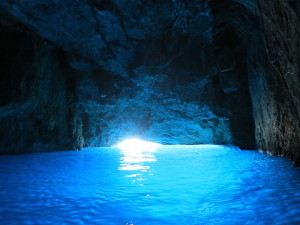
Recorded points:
(163, 186)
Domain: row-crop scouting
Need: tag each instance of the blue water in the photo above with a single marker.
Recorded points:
(172, 185)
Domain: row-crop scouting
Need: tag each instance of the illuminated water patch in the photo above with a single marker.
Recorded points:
(136, 153)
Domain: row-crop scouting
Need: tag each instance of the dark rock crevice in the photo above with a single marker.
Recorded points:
(231, 21)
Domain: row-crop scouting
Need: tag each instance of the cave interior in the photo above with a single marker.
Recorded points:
(78, 74)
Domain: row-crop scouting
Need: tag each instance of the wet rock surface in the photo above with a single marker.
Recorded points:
(176, 72)
(276, 88)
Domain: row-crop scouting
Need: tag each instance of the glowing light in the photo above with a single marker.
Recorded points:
(138, 145)
(136, 156)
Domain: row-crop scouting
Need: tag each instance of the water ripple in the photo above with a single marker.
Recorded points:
(171, 185)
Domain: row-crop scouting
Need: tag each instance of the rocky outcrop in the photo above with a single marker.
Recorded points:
(148, 110)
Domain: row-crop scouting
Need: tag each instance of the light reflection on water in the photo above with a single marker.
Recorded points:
(136, 160)
(164, 186)
(136, 155)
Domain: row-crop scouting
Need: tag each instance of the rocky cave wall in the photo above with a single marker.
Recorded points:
(269, 33)
(176, 72)
(275, 85)
(37, 96)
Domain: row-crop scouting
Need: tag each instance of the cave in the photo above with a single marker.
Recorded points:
(194, 90)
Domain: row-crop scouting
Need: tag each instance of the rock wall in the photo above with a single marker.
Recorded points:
(266, 38)
(37, 110)
(275, 84)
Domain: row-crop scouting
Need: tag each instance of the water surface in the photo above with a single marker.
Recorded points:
(170, 185)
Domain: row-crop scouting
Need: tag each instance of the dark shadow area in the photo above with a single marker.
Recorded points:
(17, 52)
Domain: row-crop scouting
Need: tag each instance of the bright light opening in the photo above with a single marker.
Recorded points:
(134, 144)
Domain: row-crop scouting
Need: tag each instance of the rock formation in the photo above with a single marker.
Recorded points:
(275, 84)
